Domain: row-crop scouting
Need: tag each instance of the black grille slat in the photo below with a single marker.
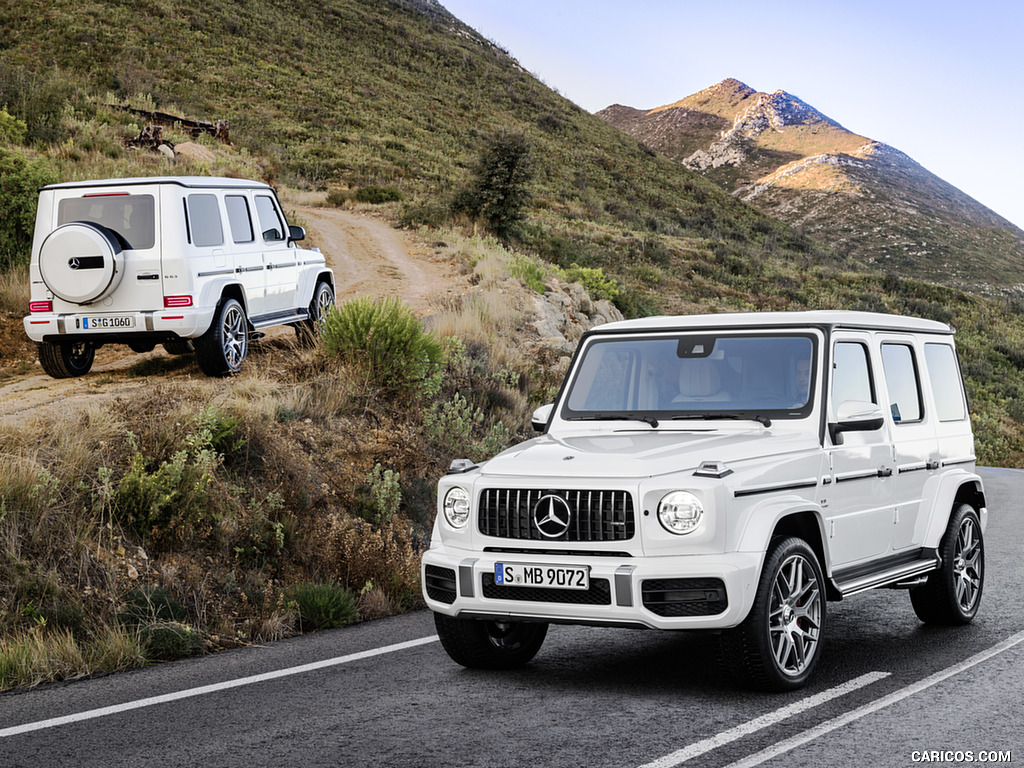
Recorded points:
(596, 516)
(599, 593)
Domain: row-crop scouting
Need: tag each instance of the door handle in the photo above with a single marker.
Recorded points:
(885, 471)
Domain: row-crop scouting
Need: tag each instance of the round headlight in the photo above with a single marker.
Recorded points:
(456, 507)
(680, 512)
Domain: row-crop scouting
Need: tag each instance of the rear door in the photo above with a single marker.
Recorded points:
(859, 522)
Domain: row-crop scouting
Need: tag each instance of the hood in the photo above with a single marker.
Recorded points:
(637, 454)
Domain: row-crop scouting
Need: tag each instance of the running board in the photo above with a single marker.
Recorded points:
(889, 572)
(279, 318)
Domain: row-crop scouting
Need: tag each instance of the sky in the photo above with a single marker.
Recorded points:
(940, 80)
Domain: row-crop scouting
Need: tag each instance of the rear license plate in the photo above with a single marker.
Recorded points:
(549, 576)
(106, 322)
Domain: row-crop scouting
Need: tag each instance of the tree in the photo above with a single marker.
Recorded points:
(498, 191)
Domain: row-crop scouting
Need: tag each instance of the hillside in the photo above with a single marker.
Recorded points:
(212, 513)
(873, 202)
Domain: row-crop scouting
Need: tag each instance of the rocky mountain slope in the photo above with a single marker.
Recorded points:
(873, 202)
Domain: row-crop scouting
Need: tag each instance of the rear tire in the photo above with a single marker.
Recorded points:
(66, 360)
(952, 594)
(222, 349)
(489, 644)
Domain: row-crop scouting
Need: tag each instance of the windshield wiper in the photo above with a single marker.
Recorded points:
(617, 417)
(764, 420)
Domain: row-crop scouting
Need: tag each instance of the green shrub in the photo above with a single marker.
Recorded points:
(498, 191)
(386, 491)
(169, 641)
(324, 606)
(148, 605)
(377, 195)
(20, 179)
(12, 130)
(386, 343)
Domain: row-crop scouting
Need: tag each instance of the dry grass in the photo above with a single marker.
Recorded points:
(14, 291)
(44, 656)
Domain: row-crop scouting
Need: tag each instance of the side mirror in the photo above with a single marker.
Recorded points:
(541, 417)
(855, 416)
(296, 233)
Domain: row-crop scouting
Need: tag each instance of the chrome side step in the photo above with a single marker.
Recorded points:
(896, 574)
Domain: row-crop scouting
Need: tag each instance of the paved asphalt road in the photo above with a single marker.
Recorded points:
(889, 692)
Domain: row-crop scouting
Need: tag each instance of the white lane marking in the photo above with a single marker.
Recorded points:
(827, 727)
(216, 687)
(758, 723)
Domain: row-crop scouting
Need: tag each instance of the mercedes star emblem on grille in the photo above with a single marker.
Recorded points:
(551, 516)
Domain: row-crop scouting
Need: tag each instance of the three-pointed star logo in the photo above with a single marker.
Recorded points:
(551, 516)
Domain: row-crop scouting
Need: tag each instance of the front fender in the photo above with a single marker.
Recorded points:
(788, 515)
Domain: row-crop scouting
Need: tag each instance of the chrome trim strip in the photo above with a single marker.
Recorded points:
(228, 271)
(466, 577)
(624, 586)
(798, 485)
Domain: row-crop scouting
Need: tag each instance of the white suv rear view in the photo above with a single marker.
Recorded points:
(187, 262)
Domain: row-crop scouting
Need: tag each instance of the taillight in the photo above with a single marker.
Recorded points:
(177, 301)
(40, 306)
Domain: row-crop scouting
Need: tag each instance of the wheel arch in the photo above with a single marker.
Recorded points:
(942, 496)
(788, 517)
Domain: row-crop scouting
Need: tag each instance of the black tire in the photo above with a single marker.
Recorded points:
(321, 303)
(777, 646)
(222, 349)
(489, 644)
(178, 347)
(952, 594)
(66, 360)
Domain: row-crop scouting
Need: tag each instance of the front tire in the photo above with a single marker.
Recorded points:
(66, 360)
(322, 302)
(777, 646)
(222, 349)
(952, 594)
(489, 644)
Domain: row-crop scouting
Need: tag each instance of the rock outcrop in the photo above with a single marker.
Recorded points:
(565, 312)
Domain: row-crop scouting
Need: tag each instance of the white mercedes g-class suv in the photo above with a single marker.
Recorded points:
(720, 472)
(188, 262)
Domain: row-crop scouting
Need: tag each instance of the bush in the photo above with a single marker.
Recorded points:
(385, 342)
(20, 180)
(378, 195)
(498, 191)
(169, 641)
(387, 493)
(324, 606)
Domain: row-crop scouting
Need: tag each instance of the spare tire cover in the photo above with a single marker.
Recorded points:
(81, 262)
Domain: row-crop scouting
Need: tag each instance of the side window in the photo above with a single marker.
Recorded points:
(238, 218)
(270, 222)
(204, 220)
(903, 383)
(947, 389)
(851, 374)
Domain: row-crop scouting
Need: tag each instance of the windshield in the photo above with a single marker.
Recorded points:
(694, 376)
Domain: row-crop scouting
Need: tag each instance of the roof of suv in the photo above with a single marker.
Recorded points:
(181, 181)
(818, 319)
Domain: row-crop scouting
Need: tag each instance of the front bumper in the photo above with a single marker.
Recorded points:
(111, 327)
(680, 592)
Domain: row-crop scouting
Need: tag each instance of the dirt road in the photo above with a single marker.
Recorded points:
(369, 258)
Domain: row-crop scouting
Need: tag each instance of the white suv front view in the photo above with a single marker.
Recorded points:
(729, 473)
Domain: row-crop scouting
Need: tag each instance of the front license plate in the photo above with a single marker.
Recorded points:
(106, 322)
(550, 576)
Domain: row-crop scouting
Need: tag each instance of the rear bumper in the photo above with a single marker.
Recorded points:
(124, 327)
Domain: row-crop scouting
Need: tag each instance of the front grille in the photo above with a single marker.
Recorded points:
(440, 584)
(593, 515)
(600, 593)
(684, 597)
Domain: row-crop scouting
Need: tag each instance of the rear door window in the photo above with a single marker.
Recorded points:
(204, 220)
(239, 219)
(903, 382)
